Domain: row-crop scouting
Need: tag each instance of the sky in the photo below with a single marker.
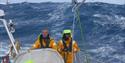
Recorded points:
(37, 1)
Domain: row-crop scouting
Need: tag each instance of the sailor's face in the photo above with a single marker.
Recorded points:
(67, 36)
(45, 33)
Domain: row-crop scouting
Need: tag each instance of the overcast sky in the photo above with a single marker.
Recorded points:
(35, 1)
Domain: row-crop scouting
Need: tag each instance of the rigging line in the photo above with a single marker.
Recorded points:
(73, 34)
(87, 56)
(77, 18)
(73, 27)
(82, 35)
(75, 8)
(80, 25)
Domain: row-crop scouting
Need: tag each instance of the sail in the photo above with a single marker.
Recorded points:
(39, 56)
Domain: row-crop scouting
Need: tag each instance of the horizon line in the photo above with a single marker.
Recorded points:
(54, 2)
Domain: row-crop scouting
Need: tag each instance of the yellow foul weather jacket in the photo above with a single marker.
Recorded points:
(43, 44)
(68, 56)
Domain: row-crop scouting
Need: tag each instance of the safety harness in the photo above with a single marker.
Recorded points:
(47, 40)
(67, 48)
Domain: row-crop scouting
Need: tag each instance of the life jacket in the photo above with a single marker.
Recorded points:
(67, 48)
(47, 41)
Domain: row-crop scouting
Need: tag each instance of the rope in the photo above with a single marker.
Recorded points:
(73, 27)
(82, 35)
(77, 18)
(87, 56)
(80, 25)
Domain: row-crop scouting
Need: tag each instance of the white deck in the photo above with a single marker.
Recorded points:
(39, 56)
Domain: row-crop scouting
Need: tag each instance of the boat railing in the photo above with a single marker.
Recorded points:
(9, 32)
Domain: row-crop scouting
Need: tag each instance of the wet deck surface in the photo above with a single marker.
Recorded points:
(39, 56)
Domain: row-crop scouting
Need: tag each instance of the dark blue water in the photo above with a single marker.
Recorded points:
(103, 27)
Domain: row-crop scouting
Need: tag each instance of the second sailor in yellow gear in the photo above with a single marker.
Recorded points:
(67, 47)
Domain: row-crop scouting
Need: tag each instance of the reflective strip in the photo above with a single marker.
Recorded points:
(74, 42)
(54, 43)
(34, 45)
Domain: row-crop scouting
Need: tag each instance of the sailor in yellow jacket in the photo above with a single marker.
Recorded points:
(67, 47)
(44, 41)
